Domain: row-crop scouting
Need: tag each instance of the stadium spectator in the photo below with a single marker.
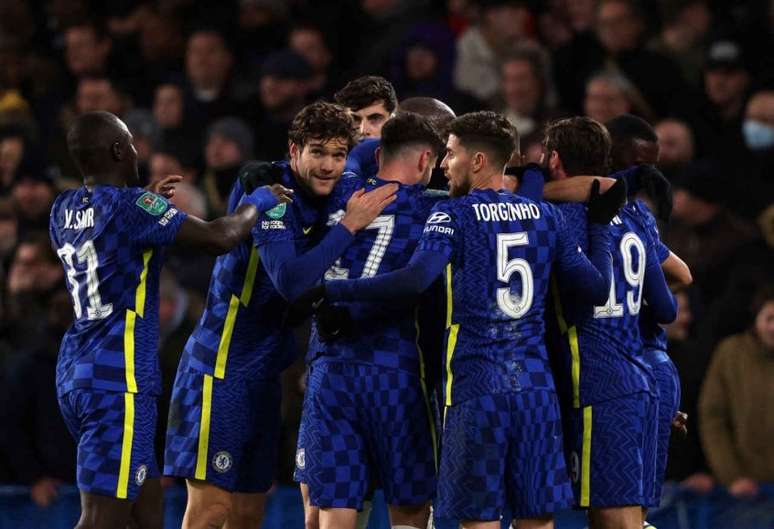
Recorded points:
(147, 138)
(309, 41)
(162, 45)
(34, 438)
(99, 93)
(12, 147)
(675, 141)
(229, 143)
(87, 49)
(717, 123)
(683, 34)
(502, 24)
(609, 95)
(283, 89)
(32, 194)
(526, 89)
(165, 162)
(617, 44)
(736, 426)
(9, 226)
(208, 65)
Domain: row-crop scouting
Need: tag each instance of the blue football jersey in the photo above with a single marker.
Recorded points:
(361, 161)
(600, 347)
(653, 335)
(500, 248)
(110, 241)
(241, 330)
(386, 332)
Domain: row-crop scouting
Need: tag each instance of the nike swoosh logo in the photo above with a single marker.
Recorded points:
(307, 230)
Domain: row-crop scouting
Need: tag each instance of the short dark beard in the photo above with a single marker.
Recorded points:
(460, 191)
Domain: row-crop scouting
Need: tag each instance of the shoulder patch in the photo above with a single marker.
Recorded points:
(277, 212)
(152, 203)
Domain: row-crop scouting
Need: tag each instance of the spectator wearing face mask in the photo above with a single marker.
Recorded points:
(736, 420)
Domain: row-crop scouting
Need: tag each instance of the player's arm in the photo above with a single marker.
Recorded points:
(222, 234)
(655, 290)
(677, 271)
(575, 189)
(291, 273)
(590, 275)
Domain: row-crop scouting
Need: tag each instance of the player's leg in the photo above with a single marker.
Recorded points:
(471, 475)
(311, 512)
(629, 517)
(536, 474)
(103, 512)
(246, 511)
(333, 518)
(148, 510)
(468, 524)
(207, 507)
(668, 383)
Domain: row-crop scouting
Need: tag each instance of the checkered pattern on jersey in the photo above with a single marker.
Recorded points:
(621, 438)
(95, 418)
(258, 343)
(362, 419)
(503, 451)
(494, 351)
(668, 386)
(242, 434)
(104, 264)
(386, 331)
(610, 345)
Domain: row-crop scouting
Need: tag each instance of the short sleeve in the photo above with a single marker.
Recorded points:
(441, 233)
(275, 225)
(149, 219)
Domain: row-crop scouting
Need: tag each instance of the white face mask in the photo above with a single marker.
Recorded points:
(758, 135)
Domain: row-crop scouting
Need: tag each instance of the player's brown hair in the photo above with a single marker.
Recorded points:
(487, 131)
(583, 145)
(322, 121)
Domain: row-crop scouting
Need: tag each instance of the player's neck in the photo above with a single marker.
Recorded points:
(96, 179)
(492, 181)
(395, 172)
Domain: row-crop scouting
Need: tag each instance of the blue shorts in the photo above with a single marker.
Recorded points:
(668, 387)
(503, 451)
(612, 449)
(224, 431)
(115, 433)
(365, 424)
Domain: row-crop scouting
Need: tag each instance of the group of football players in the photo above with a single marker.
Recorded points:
(481, 350)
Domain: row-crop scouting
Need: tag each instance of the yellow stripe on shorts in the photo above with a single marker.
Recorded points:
(126, 446)
(586, 458)
(204, 429)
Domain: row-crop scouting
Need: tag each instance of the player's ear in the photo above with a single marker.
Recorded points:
(479, 161)
(115, 151)
(378, 155)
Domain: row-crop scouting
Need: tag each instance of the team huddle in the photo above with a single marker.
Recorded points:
(490, 350)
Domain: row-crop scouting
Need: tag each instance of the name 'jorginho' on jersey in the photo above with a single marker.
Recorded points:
(109, 240)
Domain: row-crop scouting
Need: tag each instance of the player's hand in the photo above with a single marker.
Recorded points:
(333, 321)
(700, 482)
(363, 208)
(166, 186)
(266, 197)
(45, 491)
(743, 488)
(680, 424)
(305, 305)
(658, 188)
(601, 208)
(255, 174)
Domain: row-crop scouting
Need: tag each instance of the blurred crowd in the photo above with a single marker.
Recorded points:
(205, 85)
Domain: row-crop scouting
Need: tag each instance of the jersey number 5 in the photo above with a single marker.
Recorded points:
(511, 304)
(88, 255)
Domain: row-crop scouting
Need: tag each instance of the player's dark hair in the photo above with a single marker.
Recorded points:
(408, 129)
(322, 121)
(583, 145)
(90, 138)
(487, 131)
(628, 127)
(438, 113)
(365, 91)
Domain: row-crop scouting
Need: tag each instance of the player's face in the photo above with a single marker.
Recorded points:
(370, 120)
(457, 166)
(127, 155)
(318, 164)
